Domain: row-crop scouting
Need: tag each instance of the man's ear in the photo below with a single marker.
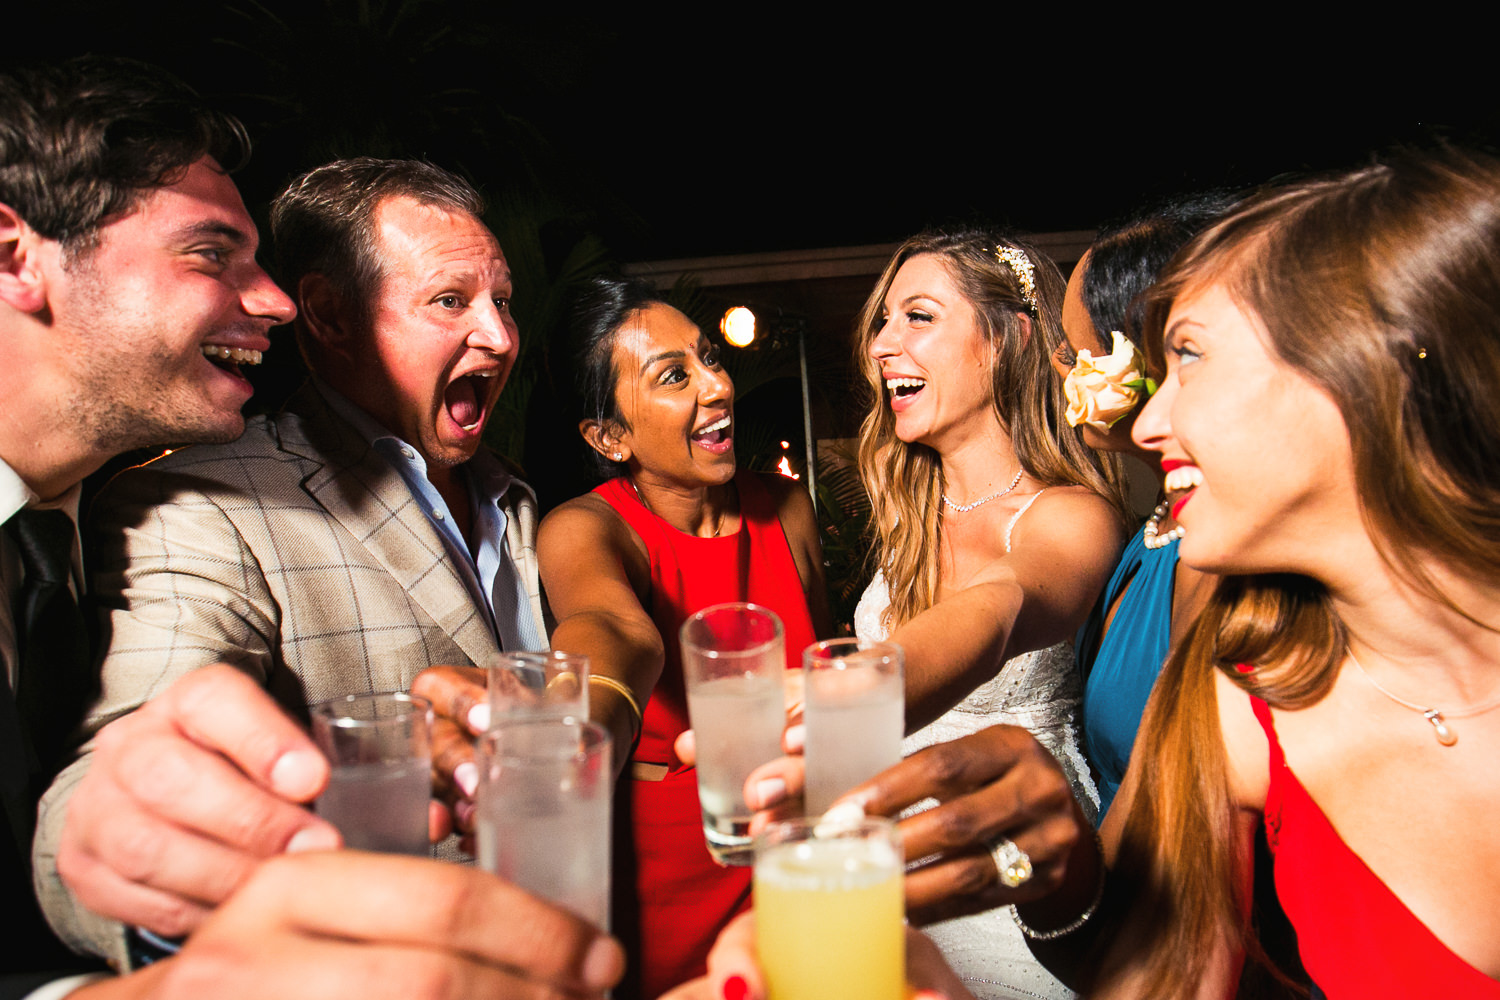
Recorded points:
(605, 439)
(322, 311)
(22, 284)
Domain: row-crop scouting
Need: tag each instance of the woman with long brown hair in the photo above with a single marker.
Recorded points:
(1329, 428)
(981, 494)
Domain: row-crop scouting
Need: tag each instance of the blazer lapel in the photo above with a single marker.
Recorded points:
(359, 489)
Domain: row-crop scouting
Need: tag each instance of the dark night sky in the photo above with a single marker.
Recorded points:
(672, 142)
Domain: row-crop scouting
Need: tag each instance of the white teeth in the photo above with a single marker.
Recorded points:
(239, 355)
(1184, 477)
(892, 384)
(482, 374)
(717, 425)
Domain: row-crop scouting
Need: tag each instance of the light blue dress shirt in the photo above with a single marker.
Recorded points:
(489, 573)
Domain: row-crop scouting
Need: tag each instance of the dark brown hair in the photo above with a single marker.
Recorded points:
(81, 143)
(324, 222)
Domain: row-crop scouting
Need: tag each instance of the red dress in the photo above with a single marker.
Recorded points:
(683, 897)
(1356, 938)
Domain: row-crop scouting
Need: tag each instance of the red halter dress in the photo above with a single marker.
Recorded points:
(1355, 937)
(682, 897)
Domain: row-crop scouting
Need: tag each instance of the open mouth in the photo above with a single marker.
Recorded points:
(466, 397)
(900, 388)
(230, 358)
(715, 436)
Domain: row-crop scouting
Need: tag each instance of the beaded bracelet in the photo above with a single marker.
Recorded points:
(1077, 922)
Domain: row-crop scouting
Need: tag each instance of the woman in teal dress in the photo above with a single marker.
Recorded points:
(1121, 647)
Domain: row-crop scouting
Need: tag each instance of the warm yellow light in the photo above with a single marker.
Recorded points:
(738, 326)
(785, 468)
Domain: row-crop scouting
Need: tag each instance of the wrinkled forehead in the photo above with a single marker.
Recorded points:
(423, 241)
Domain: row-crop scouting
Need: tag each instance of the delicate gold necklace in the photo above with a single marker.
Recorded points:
(1446, 736)
(718, 523)
(964, 508)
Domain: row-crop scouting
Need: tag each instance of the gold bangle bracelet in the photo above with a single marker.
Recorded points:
(623, 692)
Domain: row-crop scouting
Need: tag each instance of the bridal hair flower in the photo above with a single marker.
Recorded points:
(1102, 390)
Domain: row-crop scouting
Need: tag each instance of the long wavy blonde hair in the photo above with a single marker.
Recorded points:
(905, 481)
(1382, 287)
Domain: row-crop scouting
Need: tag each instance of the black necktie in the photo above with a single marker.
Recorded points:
(55, 680)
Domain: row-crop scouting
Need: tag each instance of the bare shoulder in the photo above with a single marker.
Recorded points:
(586, 523)
(589, 512)
(1069, 521)
(1075, 505)
(1246, 748)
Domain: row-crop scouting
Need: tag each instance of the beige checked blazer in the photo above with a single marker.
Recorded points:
(296, 554)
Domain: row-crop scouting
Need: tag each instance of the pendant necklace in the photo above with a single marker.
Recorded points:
(1446, 736)
(964, 508)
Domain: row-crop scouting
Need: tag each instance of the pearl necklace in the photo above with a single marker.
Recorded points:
(1151, 535)
(964, 508)
(1445, 736)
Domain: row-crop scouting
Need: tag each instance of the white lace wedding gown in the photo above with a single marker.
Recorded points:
(1040, 691)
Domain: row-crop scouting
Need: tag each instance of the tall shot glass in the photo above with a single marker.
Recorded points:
(828, 909)
(855, 713)
(542, 810)
(733, 658)
(552, 683)
(380, 783)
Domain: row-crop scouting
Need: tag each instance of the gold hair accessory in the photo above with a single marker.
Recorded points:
(1015, 258)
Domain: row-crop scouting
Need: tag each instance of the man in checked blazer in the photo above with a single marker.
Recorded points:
(353, 539)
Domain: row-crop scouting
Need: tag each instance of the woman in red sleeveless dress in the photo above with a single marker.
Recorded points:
(676, 530)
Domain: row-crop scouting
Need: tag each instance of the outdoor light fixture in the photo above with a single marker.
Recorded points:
(738, 326)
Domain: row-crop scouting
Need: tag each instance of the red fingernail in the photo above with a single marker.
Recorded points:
(736, 988)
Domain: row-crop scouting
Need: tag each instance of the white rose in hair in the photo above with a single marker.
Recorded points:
(1102, 390)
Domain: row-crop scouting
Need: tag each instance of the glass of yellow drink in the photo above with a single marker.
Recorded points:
(828, 910)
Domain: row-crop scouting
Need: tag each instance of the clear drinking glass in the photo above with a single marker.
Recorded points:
(542, 810)
(380, 783)
(854, 702)
(733, 659)
(828, 910)
(550, 683)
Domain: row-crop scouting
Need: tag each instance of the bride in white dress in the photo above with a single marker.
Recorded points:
(997, 527)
